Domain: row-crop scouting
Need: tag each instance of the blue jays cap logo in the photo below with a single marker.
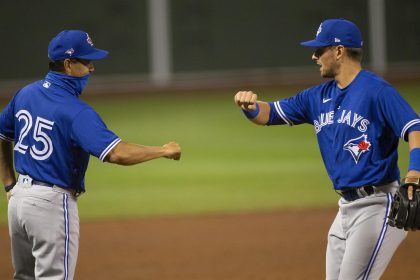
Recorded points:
(357, 147)
(70, 51)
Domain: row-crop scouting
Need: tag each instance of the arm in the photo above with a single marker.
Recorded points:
(413, 142)
(7, 173)
(129, 154)
(247, 100)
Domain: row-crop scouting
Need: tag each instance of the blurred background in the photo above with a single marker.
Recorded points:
(190, 44)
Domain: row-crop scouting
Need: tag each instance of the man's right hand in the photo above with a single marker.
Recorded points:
(247, 100)
(173, 151)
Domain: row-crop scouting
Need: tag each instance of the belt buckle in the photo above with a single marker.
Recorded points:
(353, 194)
(362, 192)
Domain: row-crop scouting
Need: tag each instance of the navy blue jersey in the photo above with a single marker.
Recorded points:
(54, 134)
(358, 127)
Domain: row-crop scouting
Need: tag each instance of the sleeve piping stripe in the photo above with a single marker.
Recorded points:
(109, 148)
(408, 125)
(282, 114)
(6, 138)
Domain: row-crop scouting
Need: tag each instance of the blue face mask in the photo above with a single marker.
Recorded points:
(75, 85)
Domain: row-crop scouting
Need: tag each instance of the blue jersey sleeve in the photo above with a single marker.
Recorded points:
(92, 135)
(7, 122)
(397, 113)
(292, 111)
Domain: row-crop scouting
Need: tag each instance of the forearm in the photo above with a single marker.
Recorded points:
(263, 115)
(414, 143)
(129, 154)
(7, 173)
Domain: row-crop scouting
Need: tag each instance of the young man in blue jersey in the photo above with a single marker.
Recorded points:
(358, 119)
(54, 133)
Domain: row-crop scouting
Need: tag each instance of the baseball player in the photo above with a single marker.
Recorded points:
(358, 119)
(54, 132)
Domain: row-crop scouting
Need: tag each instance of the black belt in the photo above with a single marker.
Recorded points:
(35, 182)
(73, 191)
(352, 194)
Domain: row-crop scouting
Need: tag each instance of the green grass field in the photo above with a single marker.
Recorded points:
(228, 164)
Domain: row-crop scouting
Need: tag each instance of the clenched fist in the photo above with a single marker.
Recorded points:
(247, 100)
(173, 151)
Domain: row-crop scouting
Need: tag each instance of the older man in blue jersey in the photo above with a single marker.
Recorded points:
(358, 119)
(54, 133)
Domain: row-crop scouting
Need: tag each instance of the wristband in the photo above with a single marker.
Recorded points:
(251, 115)
(414, 160)
(8, 188)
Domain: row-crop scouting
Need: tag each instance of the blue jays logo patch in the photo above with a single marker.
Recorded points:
(70, 52)
(357, 147)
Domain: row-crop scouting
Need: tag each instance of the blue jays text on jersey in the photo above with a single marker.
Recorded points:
(347, 117)
(54, 131)
(358, 127)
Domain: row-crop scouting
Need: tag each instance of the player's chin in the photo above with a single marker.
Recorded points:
(326, 74)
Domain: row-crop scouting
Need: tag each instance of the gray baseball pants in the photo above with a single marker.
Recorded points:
(360, 243)
(44, 231)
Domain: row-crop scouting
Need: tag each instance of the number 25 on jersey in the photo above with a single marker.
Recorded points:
(39, 135)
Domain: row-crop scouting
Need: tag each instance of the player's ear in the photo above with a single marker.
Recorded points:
(67, 66)
(339, 50)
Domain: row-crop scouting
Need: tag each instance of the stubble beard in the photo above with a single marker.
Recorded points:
(328, 73)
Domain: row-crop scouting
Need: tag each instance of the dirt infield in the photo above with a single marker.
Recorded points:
(263, 246)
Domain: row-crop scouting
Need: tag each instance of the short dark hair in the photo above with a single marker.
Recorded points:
(56, 65)
(355, 53)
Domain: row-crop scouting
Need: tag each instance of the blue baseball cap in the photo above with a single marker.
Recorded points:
(74, 44)
(335, 32)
